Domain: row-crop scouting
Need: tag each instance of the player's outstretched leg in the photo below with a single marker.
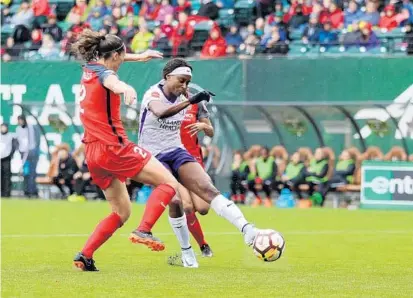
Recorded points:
(154, 173)
(117, 196)
(194, 178)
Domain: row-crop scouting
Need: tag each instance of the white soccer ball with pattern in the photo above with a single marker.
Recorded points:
(269, 245)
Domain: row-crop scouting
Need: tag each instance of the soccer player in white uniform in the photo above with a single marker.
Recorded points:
(162, 112)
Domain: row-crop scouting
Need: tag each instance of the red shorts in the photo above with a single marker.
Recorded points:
(107, 162)
(197, 154)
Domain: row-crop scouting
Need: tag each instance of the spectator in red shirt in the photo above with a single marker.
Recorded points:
(181, 35)
(77, 10)
(388, 20)
(150, 10)
(41, 11)
(167, 27)
(215, 46)
(335, 16)
(183, 6)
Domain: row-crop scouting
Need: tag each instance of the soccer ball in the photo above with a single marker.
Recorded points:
(269, 245)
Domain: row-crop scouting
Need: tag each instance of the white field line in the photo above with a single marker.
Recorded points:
(327, 232)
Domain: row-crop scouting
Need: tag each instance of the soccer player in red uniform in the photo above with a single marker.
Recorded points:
(111, 157)
(196, 120)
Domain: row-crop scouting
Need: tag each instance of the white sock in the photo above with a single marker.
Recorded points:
(181, 231)
(228, 210)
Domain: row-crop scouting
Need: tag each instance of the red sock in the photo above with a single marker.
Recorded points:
(195, 228)
(101, 234)
(157, 202)
(242, 198)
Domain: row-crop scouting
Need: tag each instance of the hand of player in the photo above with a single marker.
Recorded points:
(77, 175)
(129, 95)
(195, 128)
(201, 96)
(150, 54)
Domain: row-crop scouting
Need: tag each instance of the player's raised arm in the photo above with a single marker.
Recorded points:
(143, 57)
(113, 83)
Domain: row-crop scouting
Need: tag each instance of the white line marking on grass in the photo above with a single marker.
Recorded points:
(327, 232)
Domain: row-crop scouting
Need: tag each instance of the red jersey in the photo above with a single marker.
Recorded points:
(100, 108)
(193, 114)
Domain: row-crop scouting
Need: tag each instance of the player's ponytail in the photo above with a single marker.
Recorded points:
(92, 46)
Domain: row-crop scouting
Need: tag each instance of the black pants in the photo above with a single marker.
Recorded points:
(80, 185)
(325, 187)
(295, 187)
(67, 182)
(6, 177)
(237, 187)
(251, 187)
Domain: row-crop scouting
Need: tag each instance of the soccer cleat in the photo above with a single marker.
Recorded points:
(250, 232)
(147, 239)
(188, 258)
(83, 263)
(206, 251)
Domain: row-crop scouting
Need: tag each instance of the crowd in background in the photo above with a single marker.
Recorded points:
(168, 25)
(308, 175)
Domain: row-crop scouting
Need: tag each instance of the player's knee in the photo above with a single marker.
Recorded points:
(188, 209)
(203, 211)
(207, 188)
(124, 211)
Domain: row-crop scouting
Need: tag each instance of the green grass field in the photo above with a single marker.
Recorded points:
(329, 253)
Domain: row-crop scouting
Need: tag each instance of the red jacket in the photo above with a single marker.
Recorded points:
(336, 18)
(40, 8)
(214, 48)
(168, 30)
(149, 12)
(388, 23)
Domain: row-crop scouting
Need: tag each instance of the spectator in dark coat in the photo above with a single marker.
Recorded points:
(233, 37)
(368, 38)
(209, 9)
(298, 19)
(53, 29)
(67, 168)
(312, 31)
(328, 37)
(408, 39)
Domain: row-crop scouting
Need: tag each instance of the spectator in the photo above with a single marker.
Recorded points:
(233, 38)
(250, 42)
(12, 51)
(161, 42)
(75, 14)
(215, 46)
(116, 15)
(352, 14)
(6, 16)
(316, 173)
(52, 28)
(408, 39)
(403, 17)
(67, 168)
(209, 9)
(368, 38)
(183, 6)
(95, 19)
(328, 37)
(248, 32)
(259, 27)
(129, 31)
(352, 36)
(123, 22)
(298, 20)
(41, 11)
(311, 34)
(371, 15)
(104, 10)
(277, 20)
(115, 30)
(48, 49)
(7, 151)
(335, 16)
(343, 174)
(165, 10)
(388, 20)
(275, 45)
(28, 137)
(182, 35)
(240, 171)
(167, 27)
(231, 50)
(142, 39)
(24, 16)
(150, 10)
(36, 41)
(294, 174)
(126, 7)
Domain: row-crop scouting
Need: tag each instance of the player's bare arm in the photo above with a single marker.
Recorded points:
(162, 110)
(204, 125)
(117, 86)
(143, 57)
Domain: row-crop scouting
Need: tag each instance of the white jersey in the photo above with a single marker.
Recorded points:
(159, 135)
